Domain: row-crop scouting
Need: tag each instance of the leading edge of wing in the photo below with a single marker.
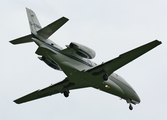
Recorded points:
(114, 64)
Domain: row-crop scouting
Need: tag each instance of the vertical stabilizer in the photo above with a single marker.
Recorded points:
(37, 31)
(33, 21)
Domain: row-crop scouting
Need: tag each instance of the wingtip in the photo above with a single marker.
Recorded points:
(15, 101)
(158, 41)
(65, 18)
(11, 42)
(18, 101)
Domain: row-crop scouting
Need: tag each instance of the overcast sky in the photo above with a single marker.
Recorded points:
(110, 28)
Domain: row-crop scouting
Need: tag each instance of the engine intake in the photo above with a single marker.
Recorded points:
(82, 50)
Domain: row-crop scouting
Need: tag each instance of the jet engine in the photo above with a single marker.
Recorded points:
(50, 63)
(82, 50)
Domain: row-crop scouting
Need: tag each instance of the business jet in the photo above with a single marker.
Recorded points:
(74, 61)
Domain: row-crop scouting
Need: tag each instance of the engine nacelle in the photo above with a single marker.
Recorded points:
(50, 63)
(82, 50)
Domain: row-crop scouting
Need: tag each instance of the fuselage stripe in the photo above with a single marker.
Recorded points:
(58, 50)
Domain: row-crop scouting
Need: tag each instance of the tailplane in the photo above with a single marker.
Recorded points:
(37, 30)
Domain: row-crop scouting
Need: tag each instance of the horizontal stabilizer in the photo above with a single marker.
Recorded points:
(47, 31)
(24, 39)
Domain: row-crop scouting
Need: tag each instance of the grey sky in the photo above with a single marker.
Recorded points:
(110, 28)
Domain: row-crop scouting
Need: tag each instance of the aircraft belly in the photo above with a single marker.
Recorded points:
(113, 88)
(110, 87)
(75, 72)
(67, 64)
(97, 82)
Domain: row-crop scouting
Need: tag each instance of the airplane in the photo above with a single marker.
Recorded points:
(74, 61)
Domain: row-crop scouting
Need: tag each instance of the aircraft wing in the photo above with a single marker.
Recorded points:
(48, 91)
(47, 31)
(114, 64)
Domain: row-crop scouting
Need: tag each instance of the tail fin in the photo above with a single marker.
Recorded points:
(47, 31)
(33, 21)
(37, 30)
(34, 27)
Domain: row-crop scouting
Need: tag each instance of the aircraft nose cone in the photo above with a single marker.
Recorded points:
(136, 98)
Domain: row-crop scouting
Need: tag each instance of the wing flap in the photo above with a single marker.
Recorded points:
(114, 64)
(47, 31)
